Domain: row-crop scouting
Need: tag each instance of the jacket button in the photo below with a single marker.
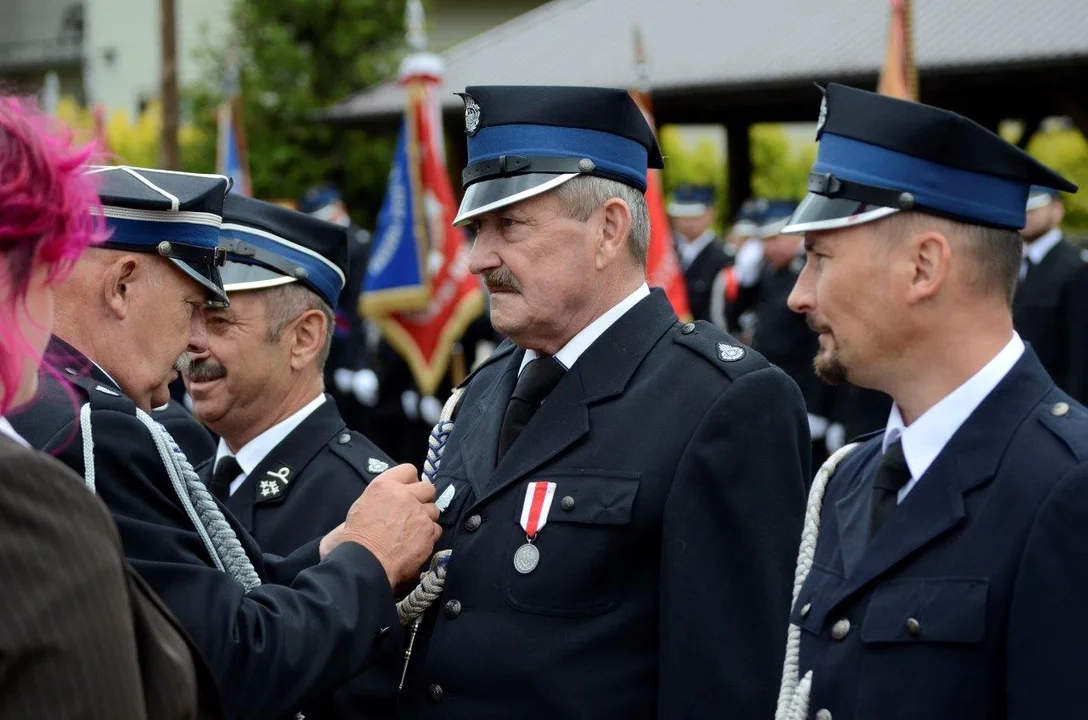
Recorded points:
(567, 503)
(473, 523)
(806, 609)
(434, 693)
(823, 715)
(1059, 409)
(452, 609)
(344, 439)
(840, 629)
(688, 328)
(914, 628)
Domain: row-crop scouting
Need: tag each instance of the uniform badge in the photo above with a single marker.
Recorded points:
(375, 465)
(472, 116)
(274, 483)
(445, 498)
(534, 516)
(106, 391)
(730, 353)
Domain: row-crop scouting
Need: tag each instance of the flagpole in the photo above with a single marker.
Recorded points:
(908, 50)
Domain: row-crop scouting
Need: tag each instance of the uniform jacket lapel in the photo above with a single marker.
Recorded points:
(936, 505)
(603, 371)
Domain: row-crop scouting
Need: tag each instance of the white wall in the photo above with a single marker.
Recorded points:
(129, 30)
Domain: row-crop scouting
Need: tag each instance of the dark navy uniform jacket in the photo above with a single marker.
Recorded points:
(699, 277)
(272, 650)
(970, 601)
(665, 568)
(318, 471)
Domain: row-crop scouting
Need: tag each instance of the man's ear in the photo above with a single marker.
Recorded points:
(931, 256)
(615, 232)
(117, 283)
(308, 338)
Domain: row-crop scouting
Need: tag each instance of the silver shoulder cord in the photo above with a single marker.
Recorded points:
(215, 532)
(793, 697)
(410, 610)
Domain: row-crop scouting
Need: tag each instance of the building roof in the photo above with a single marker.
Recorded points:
(701, 50)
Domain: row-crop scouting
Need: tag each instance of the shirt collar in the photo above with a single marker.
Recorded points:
(1038, 250)
(924, 439)
(578, 344)
(7, 429)
(689, 250)
(253, 452)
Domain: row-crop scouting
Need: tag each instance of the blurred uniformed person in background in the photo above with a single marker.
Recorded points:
(1050, 310)
(279, 634)
(692, 213)
(622, 492)
(947, 573)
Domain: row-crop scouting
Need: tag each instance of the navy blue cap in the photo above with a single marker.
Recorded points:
(691, 200)
(879, 155)
(269, 245)
(174, 214)
(524, 140)
(775, 216)
(317, 198)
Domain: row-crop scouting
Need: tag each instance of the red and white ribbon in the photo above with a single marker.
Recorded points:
(538, 502)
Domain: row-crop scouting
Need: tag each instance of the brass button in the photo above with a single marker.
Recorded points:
(434, 693)
(840, 629)
(914, 628)
(806, 609)
(1059, 409)
(688, 328)
(344, 439)
(567, 503)
(473, 523)
(823, 715)
(452, 609)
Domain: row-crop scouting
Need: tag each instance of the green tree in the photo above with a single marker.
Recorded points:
(780, 164)
(1066, 151)
(297, 57)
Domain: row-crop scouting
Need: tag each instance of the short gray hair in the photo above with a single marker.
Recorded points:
(284, 303)
(581, 196)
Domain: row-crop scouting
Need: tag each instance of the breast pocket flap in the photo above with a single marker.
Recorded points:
(949, 610)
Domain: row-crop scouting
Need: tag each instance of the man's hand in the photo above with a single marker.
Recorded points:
(396, 519)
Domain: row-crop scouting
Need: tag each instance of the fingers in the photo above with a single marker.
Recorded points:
(422, 491)
(403, 474)
(437, 533)
(432, 511)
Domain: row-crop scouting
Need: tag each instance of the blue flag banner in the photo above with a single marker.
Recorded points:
(232, 160)
(396, 278)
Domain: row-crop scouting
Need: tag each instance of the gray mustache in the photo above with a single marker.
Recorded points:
(183, 363)
(205, 371)
(501, 279)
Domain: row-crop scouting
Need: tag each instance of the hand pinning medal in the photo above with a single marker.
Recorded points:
(534, 516)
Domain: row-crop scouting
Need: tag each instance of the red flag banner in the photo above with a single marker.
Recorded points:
(899, 76)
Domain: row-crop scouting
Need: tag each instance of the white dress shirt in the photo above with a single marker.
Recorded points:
(578, 344)
(689, 250)
(924, 439)
(253, 452)
(1037, 251)
(7, 429)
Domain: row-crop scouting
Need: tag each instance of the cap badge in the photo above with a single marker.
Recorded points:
(823, 116)
(730, 353)
(472, 116)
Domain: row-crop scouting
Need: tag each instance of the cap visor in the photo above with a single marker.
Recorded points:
(686, 209)
(207, 276)
(1038, 200)
(817, 212)
(490, 195)
(242, 276)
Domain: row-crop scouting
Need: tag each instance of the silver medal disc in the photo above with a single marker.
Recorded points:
(526, 558)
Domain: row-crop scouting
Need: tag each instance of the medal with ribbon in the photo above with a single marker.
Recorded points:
(534, 516)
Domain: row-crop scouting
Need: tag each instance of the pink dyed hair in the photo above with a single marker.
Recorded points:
(49, 214)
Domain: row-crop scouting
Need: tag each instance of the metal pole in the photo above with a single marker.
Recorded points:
(169, 155)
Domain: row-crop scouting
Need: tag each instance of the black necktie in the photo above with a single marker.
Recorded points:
(891, 475)
(537, 380)
(226, 469)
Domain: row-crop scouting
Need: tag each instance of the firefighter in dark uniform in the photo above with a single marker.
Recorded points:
(621, 489)
(279, 634)
(779, 334)
(194, 439)
(692, 213)
(1051, 306)
(943, 571)
(286, 464)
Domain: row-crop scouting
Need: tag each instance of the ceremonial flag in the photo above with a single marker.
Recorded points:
(662, 265)
(232, 158)
(899, 76)
(101, 139)
(418, 287)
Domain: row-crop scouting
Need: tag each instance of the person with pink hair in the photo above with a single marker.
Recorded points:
(80, 634)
